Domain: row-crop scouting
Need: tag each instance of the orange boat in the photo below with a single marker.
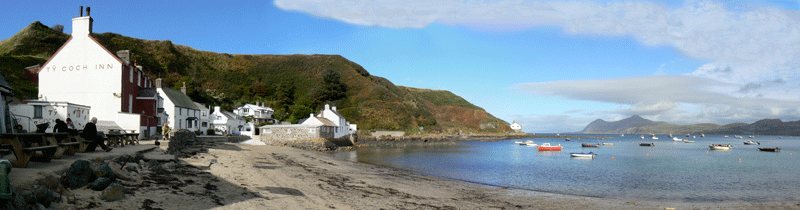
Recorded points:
(547, 147)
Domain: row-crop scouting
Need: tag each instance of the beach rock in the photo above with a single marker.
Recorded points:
(100, 183)
(155, 167)
(133, 167)
(120, 173)
(181, 139)
(50, 181)
(101, 169)
(169, 167)
(78, 174)
(113, 193)
(31, 194)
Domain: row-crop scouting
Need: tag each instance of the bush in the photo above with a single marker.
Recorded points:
(210, 132)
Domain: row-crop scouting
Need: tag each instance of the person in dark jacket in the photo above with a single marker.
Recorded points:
(60, 127)
(90, 134)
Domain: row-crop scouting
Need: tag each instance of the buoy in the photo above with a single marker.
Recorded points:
(740, 160)
(613, 157)
(706, 152)
(648, 154)
(651, 150)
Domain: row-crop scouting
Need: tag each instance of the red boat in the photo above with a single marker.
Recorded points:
(547, 147)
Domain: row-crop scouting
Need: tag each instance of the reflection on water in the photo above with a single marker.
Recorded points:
(671, 170)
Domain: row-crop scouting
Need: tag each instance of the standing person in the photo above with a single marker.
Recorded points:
(90, 134)
(165, 131)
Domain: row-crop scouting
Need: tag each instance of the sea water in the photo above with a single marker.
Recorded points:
(669, 171)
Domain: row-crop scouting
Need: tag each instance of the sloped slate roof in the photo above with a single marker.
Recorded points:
(326, 121)
(5, 85)
(179, 99)
(229, 115)
(201, 106)
(147, 92)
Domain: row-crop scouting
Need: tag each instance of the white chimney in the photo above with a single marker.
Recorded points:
(334, 108)
(216, 109)
(327, 107)
(82, 26)
(311, 115)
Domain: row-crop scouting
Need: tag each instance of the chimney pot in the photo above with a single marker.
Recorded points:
(81, 12)
(333, 108)
(158, 83)
(183, 89)
(88, 9)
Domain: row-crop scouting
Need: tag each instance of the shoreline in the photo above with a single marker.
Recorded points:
(240, 176)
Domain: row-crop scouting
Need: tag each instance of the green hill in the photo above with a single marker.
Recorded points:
(639, 125)
(293, 85)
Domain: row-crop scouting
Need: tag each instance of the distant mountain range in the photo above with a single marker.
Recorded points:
(638, 125)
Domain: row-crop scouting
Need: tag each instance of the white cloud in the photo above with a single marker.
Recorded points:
(746, 46)
(750, 43)
(676, 99)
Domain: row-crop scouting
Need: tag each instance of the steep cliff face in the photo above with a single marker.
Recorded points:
(293, 85)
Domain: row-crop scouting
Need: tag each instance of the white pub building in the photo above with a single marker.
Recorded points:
(84, 72)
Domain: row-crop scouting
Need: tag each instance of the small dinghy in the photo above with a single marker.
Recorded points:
(588, 145)
(607, 144)
(720, 147)
(751, 142)
(645, 144)
(582, 155)
(547, 147)
(769, 149)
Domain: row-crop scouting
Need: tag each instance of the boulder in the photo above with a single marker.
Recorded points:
(132, 167)
(100, 183)
(114, 192)
(78, 174)
(181, 139)
(101, 169)
(155, 167)
(120, 173)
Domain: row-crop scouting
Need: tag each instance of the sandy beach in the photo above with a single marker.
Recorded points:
(241, 176)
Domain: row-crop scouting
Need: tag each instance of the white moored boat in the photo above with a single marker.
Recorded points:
(688, 141)
(607, 144)
(655, 138)
(720, 147)
(676, 139)
(583, 155)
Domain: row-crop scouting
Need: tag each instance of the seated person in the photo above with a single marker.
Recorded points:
(90, 134)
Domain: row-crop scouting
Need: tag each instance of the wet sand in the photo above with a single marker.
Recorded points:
(244, 176)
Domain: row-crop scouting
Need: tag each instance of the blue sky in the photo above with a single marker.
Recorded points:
(552, 66)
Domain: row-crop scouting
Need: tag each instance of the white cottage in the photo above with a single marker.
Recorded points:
(516, 127)
(328, 124)
(225, 122)
(258, 113)
(84, 72)
(28, 114)
(205, 117)
(182, 111)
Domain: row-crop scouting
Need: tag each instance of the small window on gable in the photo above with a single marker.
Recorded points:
(37, 111)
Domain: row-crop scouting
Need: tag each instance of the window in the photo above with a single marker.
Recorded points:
(245, 110)
(131, 76)
(130, 103)
(312, 130)
(189, 123)
(205, 124)
(37, 111)
(219, 117)
(179, 125)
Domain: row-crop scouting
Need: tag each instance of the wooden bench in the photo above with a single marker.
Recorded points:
(26, 145)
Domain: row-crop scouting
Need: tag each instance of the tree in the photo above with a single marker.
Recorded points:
(332, 87)
(58, 27)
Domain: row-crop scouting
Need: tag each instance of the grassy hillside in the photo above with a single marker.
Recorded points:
(293, 85)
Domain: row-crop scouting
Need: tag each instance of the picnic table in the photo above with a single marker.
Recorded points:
(115, 139)
(26, 145)
(132, 138)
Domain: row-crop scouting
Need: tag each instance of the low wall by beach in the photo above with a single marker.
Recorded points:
(388, 133)
(284, 134)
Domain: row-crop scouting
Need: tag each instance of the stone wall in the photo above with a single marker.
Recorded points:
(231, 138)
(279, 135)
(388, 133)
